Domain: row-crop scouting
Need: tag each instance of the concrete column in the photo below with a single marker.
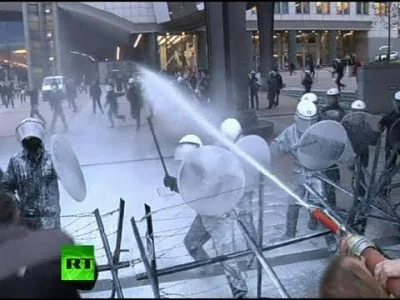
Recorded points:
(43, 38)
(292, 46)
(265, 19)
(252, 65)
(228, 55)
(280, 53)
(57, 40)
(153, 55)
(27, 43)
(332, 43)
(202, 55)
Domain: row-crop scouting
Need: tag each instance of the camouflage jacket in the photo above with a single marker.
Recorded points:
(36, 183)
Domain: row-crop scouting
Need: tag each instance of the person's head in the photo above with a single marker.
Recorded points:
(348, 277)
(253, 74)
(131, 81)
(306, 115)
(231, 129)
(186, 145)
(54, 86)
(333, 95)
(396, 100)
(271, 73)
(358, 105)
(9, 212)
(30, 133)
(310, 97)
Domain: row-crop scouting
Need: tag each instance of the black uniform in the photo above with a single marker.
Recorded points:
(135, 98)
(112, 102)
(34, 99)
(339, 70)
(387, 122)
(95, 94)
(272, 90)
(333, 172)
(55, 99)
(254, 86)
(279, 80)
(71, 94)
(307, 83)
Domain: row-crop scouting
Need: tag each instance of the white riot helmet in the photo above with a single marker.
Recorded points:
(30, 127)
(307, 72)
(306, 115)
(186, 145)
(231, 129)
(310, 97)
(180, 79)
(333, 92)
(358, 105)
(109, 88)
(131, 80)
(397, 97)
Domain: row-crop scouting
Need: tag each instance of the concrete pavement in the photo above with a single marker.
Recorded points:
(121, 162)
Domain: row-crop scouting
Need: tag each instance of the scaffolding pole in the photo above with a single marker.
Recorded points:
(151, 247)
(109, 256)
(260, 231)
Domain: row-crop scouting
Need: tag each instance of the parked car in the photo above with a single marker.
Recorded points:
(48, 81)
(394, 55)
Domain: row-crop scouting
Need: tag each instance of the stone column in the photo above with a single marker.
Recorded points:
(57, 40)
(153, 56)
(252, 65)
(292, 46)
(27, 43)
(280, 53)
(265, 19)
(228, 54)
(318, 45)
(332, 43)
(202, 55)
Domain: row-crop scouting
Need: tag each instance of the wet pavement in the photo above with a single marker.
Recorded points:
(122, 163)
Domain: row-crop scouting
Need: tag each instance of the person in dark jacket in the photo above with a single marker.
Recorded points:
(112, 103)
(338, 68)
(336, 113)
(31, 259)
(71, 94)
(307, 82)
(95, 95)
(386, 123)
(3, 94)
(56, 96)
(279, 80)
(9, 95)
(292, 67)
(272, 88)
(34, 101)
(135, 98)
(311, 68)
(254, 86)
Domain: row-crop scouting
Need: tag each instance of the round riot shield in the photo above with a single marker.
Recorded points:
(68, 169)
(258, 149)
(211, 180)
(332, 114)
(394, 134)
(322, 145)
(361, 129)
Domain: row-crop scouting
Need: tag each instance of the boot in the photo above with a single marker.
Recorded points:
(292, 216)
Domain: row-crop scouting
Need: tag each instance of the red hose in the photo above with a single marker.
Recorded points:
(326, 220)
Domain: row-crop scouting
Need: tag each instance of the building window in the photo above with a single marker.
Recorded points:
(323, 8)
(362, 8)
(343, 8)
(302, 7)
(281, 8)
(381, 8)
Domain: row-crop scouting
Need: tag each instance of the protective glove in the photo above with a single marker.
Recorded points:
(171, 183)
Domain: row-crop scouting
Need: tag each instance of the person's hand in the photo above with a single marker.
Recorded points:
(387, 269)
(171, 183)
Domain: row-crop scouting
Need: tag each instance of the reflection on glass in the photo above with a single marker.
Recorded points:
(281, 7)
(381, 8)
(343, 8)
(302, 7)
(178, 52)
(323, 8)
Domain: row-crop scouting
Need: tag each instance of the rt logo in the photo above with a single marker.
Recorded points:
(77, 263)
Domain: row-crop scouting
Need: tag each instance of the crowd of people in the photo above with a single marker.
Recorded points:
(11, 91)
